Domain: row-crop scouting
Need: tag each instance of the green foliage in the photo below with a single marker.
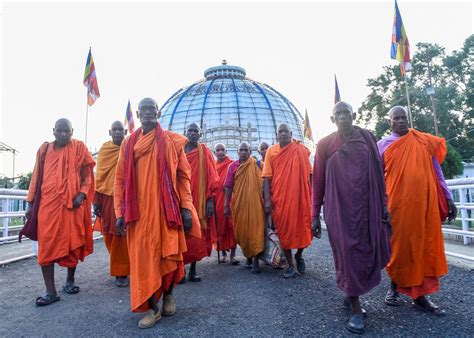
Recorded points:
(453, 80)
(452, 165)
(5, 183)
(24, 181)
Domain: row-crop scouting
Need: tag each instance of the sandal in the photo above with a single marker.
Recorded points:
(430, 307)
(121, 281)
(234, 261)
(71, 289)
(46, 300)
(349, 307)
(393, 298)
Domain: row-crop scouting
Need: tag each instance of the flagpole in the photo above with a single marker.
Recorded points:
(87, 119)
(408, 100)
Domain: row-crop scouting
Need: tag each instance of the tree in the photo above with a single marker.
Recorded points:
(453, 80)
(5, 183)
(24, 181)
(452, 165)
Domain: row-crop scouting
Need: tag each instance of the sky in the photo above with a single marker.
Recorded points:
(151, 49)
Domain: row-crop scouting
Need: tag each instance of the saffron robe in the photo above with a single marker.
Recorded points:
(106, 222)
(247, 206)
(225, 227)
(418, 258)
(155, 249)
(348, 179)
(289, 170)
(64, 232)
(204, 183)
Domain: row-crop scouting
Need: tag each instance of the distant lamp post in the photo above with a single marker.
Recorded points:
(430, 91)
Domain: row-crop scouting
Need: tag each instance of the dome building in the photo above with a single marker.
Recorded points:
(231, 108)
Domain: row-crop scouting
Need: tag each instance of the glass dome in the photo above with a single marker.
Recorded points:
(231, 108)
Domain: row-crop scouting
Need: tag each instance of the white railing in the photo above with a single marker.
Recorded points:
(12, 208)
(463, 193)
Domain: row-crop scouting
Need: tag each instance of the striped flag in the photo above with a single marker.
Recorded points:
(90, 80)
(129, 119)
(400, 46)
(337, 95)
(308, 133)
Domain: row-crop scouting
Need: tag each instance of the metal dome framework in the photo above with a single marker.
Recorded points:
(231, 108)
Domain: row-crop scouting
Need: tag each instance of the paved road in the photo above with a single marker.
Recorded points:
(230, 301)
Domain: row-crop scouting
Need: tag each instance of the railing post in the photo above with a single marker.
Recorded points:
(6, 219)
(465, 223)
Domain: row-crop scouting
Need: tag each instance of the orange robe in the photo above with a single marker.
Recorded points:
(155, 250)
(204, 182)
(247, 209)
(64, 233)
(224, 225)
(104, 192)
(289, 170)
(418, 258)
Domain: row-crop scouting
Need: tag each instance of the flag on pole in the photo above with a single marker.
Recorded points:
(90, 80)
(400, 46)
(308, 133)
(337, 95)
(129, 119)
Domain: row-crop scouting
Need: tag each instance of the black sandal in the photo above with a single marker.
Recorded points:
(429, 307)
(71, 289)
(393, 298)
(46, 300)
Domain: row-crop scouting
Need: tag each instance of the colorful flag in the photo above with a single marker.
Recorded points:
(400, 46)
(129, 119)
(337, 95)
(90, 80)
(308, 133)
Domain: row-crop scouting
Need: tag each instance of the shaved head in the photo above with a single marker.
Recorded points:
(62, 132)
(220, 152)
(244, 151)
(342, 117)
(147, 101)
(284, 134)
(193, 133)
(148, 113)
(398, 120)
(117, 132)
(396, 109)
(262, 149)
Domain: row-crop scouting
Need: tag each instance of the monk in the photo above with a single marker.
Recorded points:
(64, 215)
(348, 179)
(153, 205)
(104, 205)
(225, 227)
(287, 192)
(243, 183)
(204, 183)
(262, 150)
(416, 191)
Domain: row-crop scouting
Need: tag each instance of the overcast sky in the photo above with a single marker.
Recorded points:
(155, 48)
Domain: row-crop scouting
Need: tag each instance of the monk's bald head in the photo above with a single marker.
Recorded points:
(62, 132)
(284, 134)
(117, 132)
(262, 149)
(244, 151)
(220, 151)
(343, 116)
(148, 113)
(398, 120)
(193, 132)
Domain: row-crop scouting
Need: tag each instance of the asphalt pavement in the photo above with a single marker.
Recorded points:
(230, 301)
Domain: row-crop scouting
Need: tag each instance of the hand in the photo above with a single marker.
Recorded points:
(187, 219)
(316, 227)
(29, 206)
(77, 201)
(97, 210)
(268, 207)
(386, 215)
(121, 226)
(452, 210)
(210, 207)
(226, 211)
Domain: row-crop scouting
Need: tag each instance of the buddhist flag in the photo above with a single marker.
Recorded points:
(308, 133)
(400, 46)
(90, 80)
(337, 95)
(129, 119)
